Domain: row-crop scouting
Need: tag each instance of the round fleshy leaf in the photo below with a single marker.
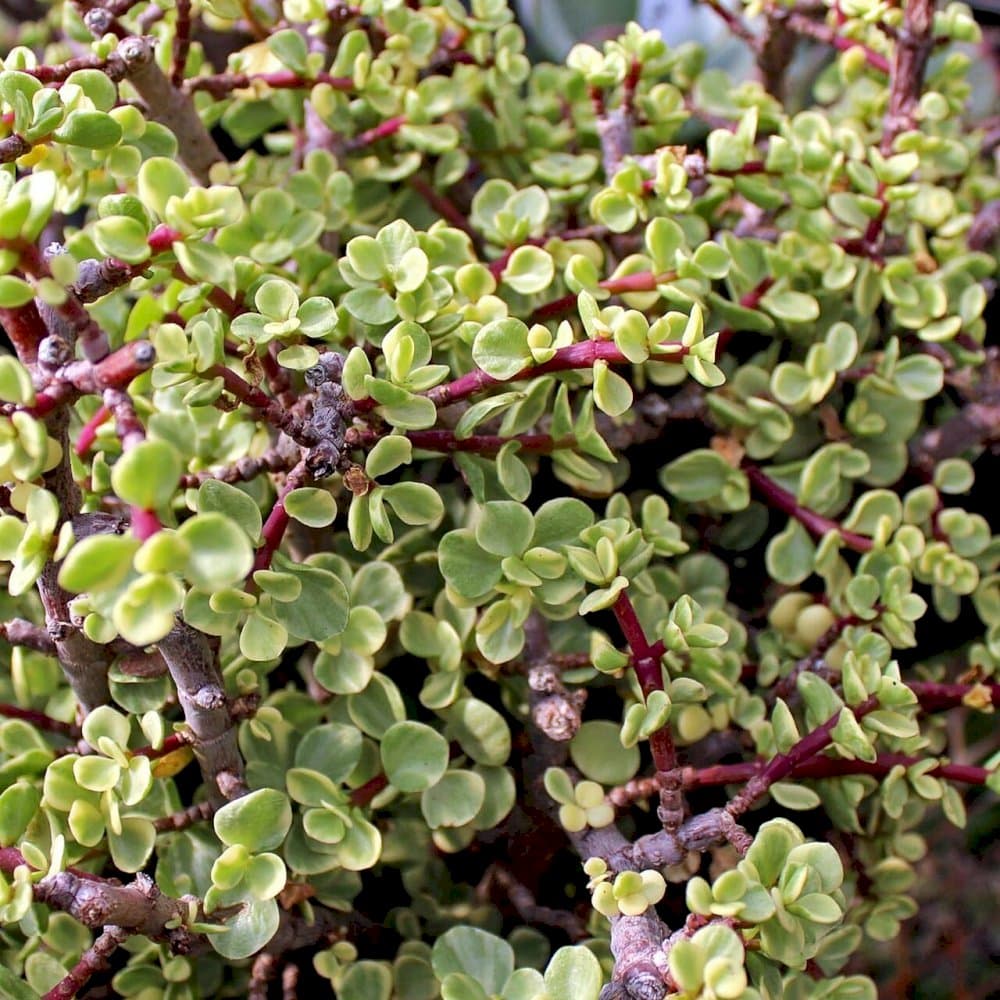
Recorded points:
(454, 800)
(597, 751)
(573, 974)
(222, 498)
(488, 959)
(146, 476)
(257, 821)
(313, 507)
(98, 563)
(248, 931)
(221, 554)
(481, 731)
(414, 756)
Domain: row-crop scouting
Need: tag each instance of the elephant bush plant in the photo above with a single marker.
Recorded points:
(480, 529)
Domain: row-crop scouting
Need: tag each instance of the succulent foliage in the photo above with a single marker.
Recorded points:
(419, 467)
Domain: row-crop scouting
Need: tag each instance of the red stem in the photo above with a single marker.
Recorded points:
(443, 205)
(830, 767)
(381, 131)
(88, 433)
(277, 521)
(646, 664)
(582, 355)
(803, 25)
(282, 79)
(41, 721)
(642, 281)
(182, 42)
(935, 696)
(778, 497)
(484, 444)
(175, 741)
(25, 329)
(11, 859)
(363, 794)
(783, 764)
(751, 300)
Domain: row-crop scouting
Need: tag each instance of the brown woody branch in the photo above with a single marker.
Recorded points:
(93, 960)
(170, 106)
(906, 77)
(194, 669)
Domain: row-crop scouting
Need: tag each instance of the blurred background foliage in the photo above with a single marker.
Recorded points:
(553, 27)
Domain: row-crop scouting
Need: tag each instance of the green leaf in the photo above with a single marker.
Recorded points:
(258, 821)
(501, 348)
(322, 607)
(793, 307)
(98, 563)
(313, 507)
(221, 554)
(146, 476)
(233, 502)
(529, 270)
(701, 474)
(415, 503)
(262, 638)
(414, 756)
(248, 931)
(122, 237)
(18, 805)
(612, 394)
(89, 130)
(161, 179)
(480, 730)
(207, 262)
(791, 554)
(14, 293)
(388, 454)
(290, 47)
(454, 800)
(466, 566)
(145, 613)
(370, 305)
(573, 974)
(489, 960)
(130, 850)
(365, 980)
(505, 528)
(15, 988)
(597, 751)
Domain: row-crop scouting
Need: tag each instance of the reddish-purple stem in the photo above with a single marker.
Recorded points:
(284, 79)
(381, 131)
(751, 300)
(649, 672)
(803, 25)
(484, 444)
(781, 499)
(782, 765)
(40, 720)
(443, 205)
(582, 355)
(830, 767)
(277, 521)
(88, 433)
(642, 281)
(363, 794)
(93, 960)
